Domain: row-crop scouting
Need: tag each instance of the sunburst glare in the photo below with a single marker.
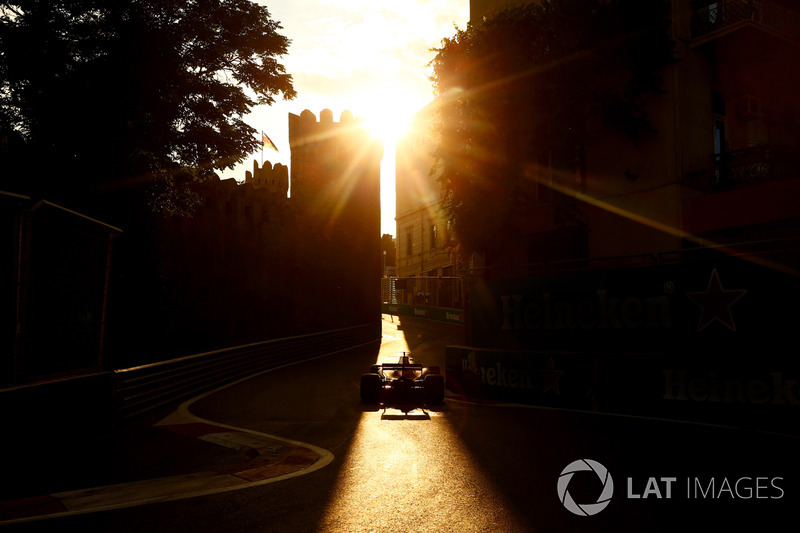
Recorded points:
(387, 114)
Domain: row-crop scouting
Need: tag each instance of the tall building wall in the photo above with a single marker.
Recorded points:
(335, 173)
(726, 126)
(253, 263)
(336, 205)
(423, 236)
(421, 224)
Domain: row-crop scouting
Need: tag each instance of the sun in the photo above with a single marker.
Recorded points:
(387, 115)
(388, 125)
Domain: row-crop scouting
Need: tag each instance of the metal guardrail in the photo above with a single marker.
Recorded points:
(145, 388)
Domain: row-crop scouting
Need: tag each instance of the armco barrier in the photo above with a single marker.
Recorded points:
(145, 388)
(93, 403)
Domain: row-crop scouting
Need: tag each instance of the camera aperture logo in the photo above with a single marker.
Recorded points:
(585, 509)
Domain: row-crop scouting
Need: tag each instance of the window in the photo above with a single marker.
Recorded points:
(409, 242)
(718, 110)
(718, 104)
(433, 236)
(719, 137)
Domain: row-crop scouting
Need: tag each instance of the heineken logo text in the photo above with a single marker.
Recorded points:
(600, 311)
(773, 388)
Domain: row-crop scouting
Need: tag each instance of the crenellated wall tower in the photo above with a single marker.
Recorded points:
(274, 179)
(274, 265)
(335, 199)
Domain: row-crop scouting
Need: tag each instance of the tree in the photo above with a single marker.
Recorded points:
(516, 91)
(114, 108)
(388, 250)
(97, 95)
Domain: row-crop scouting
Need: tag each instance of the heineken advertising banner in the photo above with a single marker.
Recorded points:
(727, 308)
(550, 379)
(709, 341)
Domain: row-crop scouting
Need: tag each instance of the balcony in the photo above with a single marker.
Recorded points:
(752, 166)
(726, 16)
(749, 187)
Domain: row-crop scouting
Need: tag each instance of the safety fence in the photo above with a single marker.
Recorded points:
(423, 291)
(145, 388)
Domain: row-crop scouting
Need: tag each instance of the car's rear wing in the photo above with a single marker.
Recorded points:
(395, 366)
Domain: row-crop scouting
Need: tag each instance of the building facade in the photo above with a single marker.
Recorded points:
(721, 167)
(676, 281)
(425, 262)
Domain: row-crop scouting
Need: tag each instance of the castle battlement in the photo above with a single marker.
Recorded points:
(274, 179)
(332, 162)
(305, 129)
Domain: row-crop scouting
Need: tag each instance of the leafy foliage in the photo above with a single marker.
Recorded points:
(98, 95)
(516, 91)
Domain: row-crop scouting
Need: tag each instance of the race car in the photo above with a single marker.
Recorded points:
(402, 384)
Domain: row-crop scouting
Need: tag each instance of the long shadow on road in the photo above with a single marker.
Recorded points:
(523, 450)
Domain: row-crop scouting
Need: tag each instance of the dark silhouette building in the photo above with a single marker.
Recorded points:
(256, 262)
(671, 298)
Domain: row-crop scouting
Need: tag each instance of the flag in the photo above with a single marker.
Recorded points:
(268, 142)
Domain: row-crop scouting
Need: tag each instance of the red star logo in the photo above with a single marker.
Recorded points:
(551, 376)
(715, 303)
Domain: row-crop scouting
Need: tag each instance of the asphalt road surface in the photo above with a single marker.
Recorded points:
(465, 467)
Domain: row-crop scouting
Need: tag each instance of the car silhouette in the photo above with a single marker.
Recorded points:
(402, 384)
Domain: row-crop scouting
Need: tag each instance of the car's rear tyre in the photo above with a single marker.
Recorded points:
(432, 370)
(434, 388)
(370, 388)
